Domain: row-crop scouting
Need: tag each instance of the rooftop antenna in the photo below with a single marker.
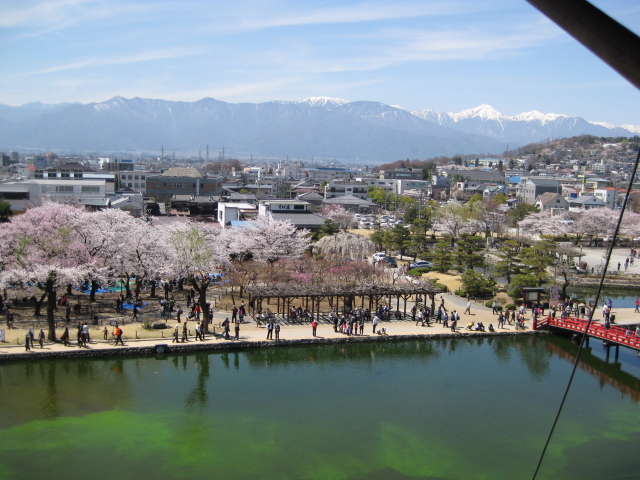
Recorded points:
(207, 153)
(162, 153)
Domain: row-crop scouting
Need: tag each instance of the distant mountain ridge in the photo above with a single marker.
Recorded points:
(320, 127)
(524, 128)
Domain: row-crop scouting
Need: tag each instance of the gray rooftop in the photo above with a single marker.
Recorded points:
(300, 220)
(348, 200)
(183, 172)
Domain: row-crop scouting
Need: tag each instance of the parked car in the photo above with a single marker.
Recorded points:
(389, 262)
(420, 264)
(378, 256)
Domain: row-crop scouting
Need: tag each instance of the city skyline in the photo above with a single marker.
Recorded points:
(445, 56)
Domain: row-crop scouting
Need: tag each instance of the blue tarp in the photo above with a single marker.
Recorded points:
(129, 306)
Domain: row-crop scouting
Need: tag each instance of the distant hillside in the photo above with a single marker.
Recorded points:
(319, 127)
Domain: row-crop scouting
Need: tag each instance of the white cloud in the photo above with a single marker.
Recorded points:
(118, 60)
(40, 18)
(362, 12)
(39, 13)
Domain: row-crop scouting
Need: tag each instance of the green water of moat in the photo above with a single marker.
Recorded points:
(455, 409)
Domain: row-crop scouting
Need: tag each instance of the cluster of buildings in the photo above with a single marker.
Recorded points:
(559, 182)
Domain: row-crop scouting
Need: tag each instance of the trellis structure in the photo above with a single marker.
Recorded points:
(340, 298)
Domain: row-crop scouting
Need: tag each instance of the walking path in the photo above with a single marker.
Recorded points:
(249, 332)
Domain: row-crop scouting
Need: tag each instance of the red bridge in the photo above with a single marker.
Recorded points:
(616, 335)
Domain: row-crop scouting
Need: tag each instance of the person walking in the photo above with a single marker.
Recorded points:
(185, 332)
(237, 331)
(27, 342)
(234, 314)
(65, 337)
(314, 327)
(118, 335)
(454, 320)
(176, 334)
(226, 328)
(277, 329)
(41, 338)
(85, 330)
(375, 323)
(468, 309)
(135, 312)
(637, 305)
(442, 303)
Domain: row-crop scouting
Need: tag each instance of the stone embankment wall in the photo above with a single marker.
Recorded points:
(170, 349)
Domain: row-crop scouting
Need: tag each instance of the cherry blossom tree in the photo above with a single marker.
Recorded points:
(630, 224)
(343, 217)
(195, 254)
(105, 236)
(453, 221)
(271, 240)
(40, 248)
(597, 222)
(541, 223)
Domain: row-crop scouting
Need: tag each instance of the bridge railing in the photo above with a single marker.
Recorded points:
(596, 329)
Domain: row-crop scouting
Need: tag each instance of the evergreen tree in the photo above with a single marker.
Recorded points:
(468, 252)
(509, 263)
(330, 227)
(400, 238)
(441, 256)
(5, 211)
(538, 257)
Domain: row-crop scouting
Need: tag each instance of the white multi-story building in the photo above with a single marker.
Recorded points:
(327, 174)
(609, 195)
(290, 170)
(253, 174)
(339, 188)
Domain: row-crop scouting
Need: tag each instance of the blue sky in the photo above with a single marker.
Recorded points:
(417, 54)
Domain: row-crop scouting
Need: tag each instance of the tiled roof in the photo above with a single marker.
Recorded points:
(348, 200)
(300, 220)
(546, 182)
(183, 172)
(310, 196)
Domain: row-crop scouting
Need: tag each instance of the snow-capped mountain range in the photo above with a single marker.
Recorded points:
(319, 127)
(523, 128)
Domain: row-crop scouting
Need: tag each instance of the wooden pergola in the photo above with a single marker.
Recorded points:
(341, 298)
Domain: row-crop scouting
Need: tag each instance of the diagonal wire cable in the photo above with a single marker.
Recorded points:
(584, 334)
